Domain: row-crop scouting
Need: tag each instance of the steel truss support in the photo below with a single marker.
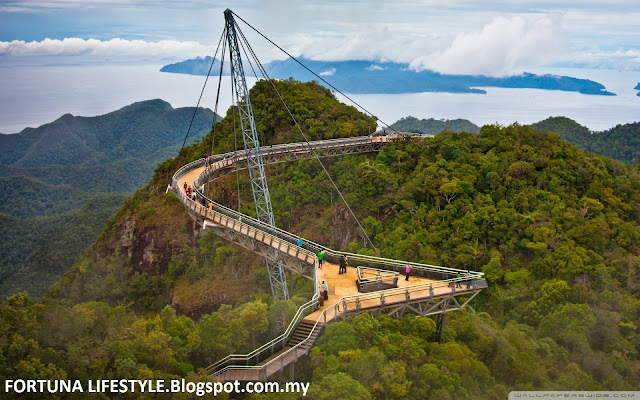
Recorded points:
(422, 307)
(253, 155)
(271, 255)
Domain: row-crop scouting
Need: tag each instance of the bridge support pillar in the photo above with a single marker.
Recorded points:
(439, 326)
(291, 378)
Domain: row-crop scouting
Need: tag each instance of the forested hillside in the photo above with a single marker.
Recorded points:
(621, 142)
(61, 182)
(433, 126)
(554, 228)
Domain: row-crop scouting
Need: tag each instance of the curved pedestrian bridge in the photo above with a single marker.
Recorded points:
(430, 289)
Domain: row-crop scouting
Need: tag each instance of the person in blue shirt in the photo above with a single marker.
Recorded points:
(300, 242)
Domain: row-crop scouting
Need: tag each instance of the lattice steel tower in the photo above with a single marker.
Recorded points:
(255, 166)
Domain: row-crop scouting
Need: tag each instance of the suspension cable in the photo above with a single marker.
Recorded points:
(215, 108)
(202, 92)
(245, 51)
(215, 112)
(306, 139)
(308, 69)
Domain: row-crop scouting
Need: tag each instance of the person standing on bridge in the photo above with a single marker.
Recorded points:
(299, 241)
(343, 265)
(407, 271)
(326, 290)
(185, 186)
(320, 258)
(458, 281)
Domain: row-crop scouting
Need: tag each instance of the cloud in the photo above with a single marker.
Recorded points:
(374, 67)
(328, 72)
(506, 46)
(371, 42)
(77, 46)
(625, 60)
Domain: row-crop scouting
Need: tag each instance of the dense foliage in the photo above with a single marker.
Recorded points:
(621, 142)
(555, 229)
(35, 252)
(433, 126)
(77, 171)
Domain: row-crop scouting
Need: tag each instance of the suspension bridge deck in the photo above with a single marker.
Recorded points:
(430, 290)
(344, 285)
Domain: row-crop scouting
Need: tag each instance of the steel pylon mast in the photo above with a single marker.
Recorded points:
(255, 166)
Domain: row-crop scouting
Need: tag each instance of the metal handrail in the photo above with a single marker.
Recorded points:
(343, 301)
(282, 234)
(376, 273)
(283, 338)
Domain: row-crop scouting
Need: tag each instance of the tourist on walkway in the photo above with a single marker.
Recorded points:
(299, 241)
(320, 258)
(407, 271)
(326, 290)
(458, 282)
(343, 264)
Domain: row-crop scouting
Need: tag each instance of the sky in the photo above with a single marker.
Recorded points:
(487, 37)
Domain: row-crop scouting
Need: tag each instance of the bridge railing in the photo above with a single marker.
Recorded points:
(267, 350)
(353, 305)
(372, 279)
(433, 272)
(428, 271)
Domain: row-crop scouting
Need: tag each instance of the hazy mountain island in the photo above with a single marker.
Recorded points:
(388, 77)
(555, 229)
(60, 182)
(434, 126)
(621, 142)
(637, 86)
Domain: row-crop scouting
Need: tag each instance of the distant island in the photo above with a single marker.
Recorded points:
(366, 77)
(433, 126)
(637, 88)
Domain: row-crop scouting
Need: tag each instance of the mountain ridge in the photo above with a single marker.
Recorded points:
(78, 169)
(621, 142)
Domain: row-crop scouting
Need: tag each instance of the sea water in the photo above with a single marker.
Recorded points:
(35, 95)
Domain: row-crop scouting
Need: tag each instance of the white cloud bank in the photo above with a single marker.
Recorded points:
(505, 46)
(113, 47)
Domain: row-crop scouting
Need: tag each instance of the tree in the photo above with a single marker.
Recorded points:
(254, 317)
(338, 386)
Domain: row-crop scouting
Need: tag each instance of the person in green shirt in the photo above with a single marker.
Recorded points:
(320, 258)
